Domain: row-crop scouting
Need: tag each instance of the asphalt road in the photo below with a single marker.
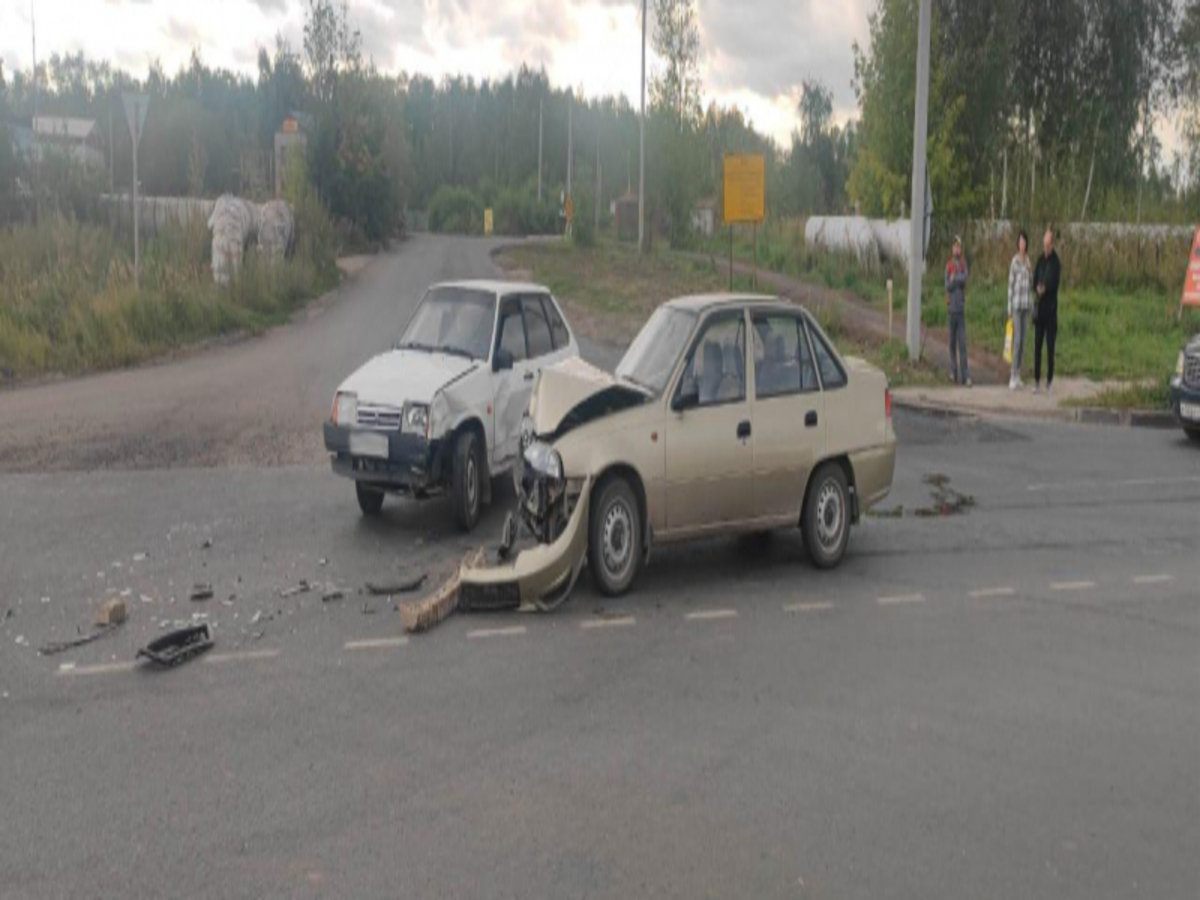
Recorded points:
(1001, 702)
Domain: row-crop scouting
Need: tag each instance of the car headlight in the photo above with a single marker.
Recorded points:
(544, 460)
(345, 408)
(1179, 365)
(526, 432)
(416, 419)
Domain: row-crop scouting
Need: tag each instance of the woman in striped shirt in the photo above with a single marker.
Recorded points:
(1020, 301)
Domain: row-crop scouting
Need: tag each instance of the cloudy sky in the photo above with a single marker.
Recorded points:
(755, 53)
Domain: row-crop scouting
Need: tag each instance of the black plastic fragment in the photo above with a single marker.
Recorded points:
(178, 646)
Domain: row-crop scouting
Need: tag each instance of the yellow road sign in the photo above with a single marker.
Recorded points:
(745, 188)
(569, 208)
(487, 221)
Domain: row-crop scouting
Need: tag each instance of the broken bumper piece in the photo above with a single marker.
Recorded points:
(538, 577)
(178, 646)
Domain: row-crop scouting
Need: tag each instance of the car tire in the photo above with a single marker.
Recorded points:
(825, 523)
(466, 480)
(1193, 433)
(370, 501)
(614, 537)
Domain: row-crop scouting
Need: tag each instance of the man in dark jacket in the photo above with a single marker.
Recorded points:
(1046, 277)
(956, 309)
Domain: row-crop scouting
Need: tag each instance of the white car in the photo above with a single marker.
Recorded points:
(442, 410)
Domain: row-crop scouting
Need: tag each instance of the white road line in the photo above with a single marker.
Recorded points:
(984, 593)
(1072, 585)
(1152, 579)
(619, 622)
(808, 607)
(101, 669)
(709, 614)
(1088, 485)
(901, 598)
(496, 632)
(241, 655)
(375, 643)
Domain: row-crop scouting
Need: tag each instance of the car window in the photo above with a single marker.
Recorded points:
(717, 366)
(832, 375)
(558, 327)
(654, 353)
(537, 327)
(511, 331)
(453, 320)
(782, 361)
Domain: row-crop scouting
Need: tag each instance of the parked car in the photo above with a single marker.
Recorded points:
(442, 410)
(1185, 389)
(727, 414)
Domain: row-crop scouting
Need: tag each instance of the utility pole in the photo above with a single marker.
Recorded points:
(135, 114)
(599, 184)
(37, 196)
(570, 138)
(540, 104)
(642, 146)
(916, 233)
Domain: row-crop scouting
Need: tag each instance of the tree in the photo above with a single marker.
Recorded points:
(677, 41)
(331, 45)
(816, 111)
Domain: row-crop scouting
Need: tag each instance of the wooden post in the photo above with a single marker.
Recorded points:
(889, 309)
(754, 232)
(731, 258)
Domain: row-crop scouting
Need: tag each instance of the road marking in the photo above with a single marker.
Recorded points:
(620, 622)
(241, 655)
(901, 598)
(807, 607)
(100, 669)
(1088, 485)
(375, 643)
(708, 614)
(496, 632)
(984, 593)
(1153, 579)
(1072, 585)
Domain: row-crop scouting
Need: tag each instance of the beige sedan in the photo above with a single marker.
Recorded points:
(727, 414)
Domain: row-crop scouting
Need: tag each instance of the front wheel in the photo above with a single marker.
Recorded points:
(467, 480)
(1193, 433)
(614, 537)
(825, 524)
(370, 501)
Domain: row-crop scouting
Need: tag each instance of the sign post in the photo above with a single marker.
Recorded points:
(135, 115)
(744, 199)
(1191, 279)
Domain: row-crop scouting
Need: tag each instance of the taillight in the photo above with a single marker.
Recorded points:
(887, 401)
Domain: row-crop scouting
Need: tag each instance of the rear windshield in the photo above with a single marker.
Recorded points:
(453, 320)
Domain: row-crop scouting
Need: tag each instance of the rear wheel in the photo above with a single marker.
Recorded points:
(467, 480)
(370, 501)
(826, 521)
(614, 537)
(1193, 433)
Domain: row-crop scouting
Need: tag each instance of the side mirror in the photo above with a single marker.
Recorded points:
(687, 397)
(502, 359)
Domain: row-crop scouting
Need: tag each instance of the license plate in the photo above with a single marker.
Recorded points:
(1189, 411)
(366, 443)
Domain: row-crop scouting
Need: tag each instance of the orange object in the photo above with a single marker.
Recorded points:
(1191, 281)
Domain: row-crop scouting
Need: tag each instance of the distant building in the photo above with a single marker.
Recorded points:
(291, 138)
(75, 138)
(704, 217)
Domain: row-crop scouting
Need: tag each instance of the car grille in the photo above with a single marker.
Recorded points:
(1191, 371)
(380, 418)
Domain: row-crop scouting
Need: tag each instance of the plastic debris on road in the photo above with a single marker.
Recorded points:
(178, 646)
(425, 614)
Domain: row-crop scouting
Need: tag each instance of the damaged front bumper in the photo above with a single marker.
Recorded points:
(539, 576)
(388, 459)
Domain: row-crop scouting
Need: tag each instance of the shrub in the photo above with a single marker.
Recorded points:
(455, 210)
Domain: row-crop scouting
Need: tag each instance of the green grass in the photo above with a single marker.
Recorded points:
(68, 303)
(1148, 395)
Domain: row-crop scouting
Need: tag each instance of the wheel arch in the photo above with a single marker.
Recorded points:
(630, 474)
(842, 461)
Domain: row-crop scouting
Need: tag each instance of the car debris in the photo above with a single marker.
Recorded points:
(332, 595)
(425, 614)
(207, 545)
(302, 588)
(178, 646)
(55, 647)
(396, 587)
(112, 612)
(200, 593)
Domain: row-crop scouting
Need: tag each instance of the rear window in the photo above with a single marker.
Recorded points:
(832, 376)
(558, 327)
(537, 327)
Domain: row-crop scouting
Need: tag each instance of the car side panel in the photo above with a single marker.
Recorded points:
(468, 398)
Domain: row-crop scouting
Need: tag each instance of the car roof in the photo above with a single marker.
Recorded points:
(702, 303)
(494, 286)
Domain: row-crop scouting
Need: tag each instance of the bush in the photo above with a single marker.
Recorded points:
(517, 212)
(455, 210)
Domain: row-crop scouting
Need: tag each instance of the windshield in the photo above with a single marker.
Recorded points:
(453, 320)
(652, 355)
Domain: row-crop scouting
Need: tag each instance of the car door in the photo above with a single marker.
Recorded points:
(788, 413)
(709, 446)
(511, 387)
(564, 343)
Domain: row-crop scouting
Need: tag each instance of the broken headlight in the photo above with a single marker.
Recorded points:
(544, 461)
(345, 408)
(526, 432)
(416, 419)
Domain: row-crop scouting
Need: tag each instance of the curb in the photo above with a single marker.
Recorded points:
(1083, 415)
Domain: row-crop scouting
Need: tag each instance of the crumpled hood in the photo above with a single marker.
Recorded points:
(405, 376)
(575, 392)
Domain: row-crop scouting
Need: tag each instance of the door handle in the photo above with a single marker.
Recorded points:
(743, 430)
(529, 375)
(810, 420)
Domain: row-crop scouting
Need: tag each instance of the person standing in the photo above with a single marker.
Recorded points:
(956, 307)
(1020, 301)
(1046, 278)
